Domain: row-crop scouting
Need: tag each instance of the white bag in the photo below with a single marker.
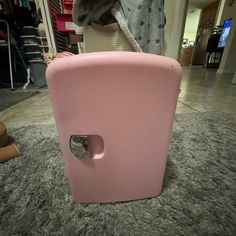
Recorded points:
(97, 38)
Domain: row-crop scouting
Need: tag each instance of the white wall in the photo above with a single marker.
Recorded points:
(228, 12)
(175, 15)
(220, 12)
(190, 36)
(228, 61)
(191, 25)
(234, 78)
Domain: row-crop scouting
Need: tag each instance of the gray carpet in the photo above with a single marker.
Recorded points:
(198, 196)
(9, 98)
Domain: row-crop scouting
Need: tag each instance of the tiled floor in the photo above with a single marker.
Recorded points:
(201, 90)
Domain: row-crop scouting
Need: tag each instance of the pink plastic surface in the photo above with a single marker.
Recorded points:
(129, 100)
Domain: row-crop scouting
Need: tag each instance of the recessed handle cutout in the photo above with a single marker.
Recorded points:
(87, 146)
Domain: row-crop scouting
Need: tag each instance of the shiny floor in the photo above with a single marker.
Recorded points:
(201, 90)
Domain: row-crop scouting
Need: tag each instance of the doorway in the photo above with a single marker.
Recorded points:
(198, 29)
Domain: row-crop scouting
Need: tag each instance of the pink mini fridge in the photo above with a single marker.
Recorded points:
(118, 108)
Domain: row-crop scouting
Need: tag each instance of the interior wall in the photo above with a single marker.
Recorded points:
(228, 61)
(234, 78)
(220, 12)
(175, 21)
(190, 36)
(191, 25)
(228, 12)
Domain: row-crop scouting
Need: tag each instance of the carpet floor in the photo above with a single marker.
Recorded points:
(198, 197)
(9, 98)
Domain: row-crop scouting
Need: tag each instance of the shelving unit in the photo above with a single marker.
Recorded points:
(33, 47)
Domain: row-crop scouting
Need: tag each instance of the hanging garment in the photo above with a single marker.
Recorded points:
(142, 21)
(38, 10)
(6, 7)
(25, 4)
(91, 11)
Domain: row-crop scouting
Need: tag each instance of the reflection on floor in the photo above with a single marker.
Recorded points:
(201, 90)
